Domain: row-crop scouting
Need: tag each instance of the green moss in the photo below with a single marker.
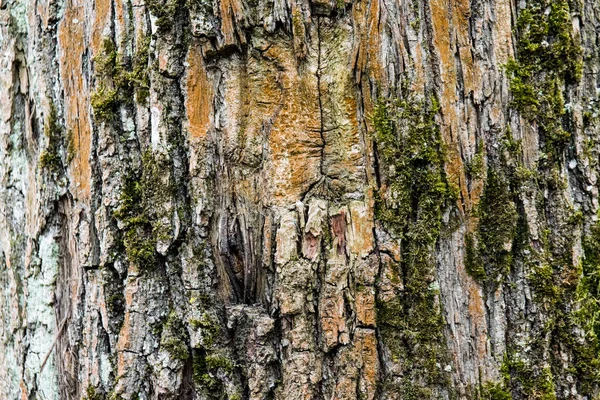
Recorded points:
(520, 377)
(473, 262)
(475, 168)
(410, 147)
(589, 285)
(410, 204)
(210, 362)
(114, 396)
(298, 23)
(140, 245)
(200, 372)
(165, 12)
(531, 382)
(105, 99)
(569, 297)
(411, 391)
(510, 146)
(199, 6)
(592, 111)
(577, 218)
(131, 202)
(115, 304)
(542, 280)
(138, 239)
(175, 338)
(491, 258)
(587, 316)
(71, 148)
(105, 63)
(140, 212)
(118, 79)
(209, 328)
(548, 58)
(495, 391)
(216, 361)
(105, 103)
(415, 22)
(50, 159)
(92, 393)
(139, 76)
(207, 366)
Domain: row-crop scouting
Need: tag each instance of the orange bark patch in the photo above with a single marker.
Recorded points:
(294, 140)
(361, 240)
(367, 47)
(102, 9)
(120, 20)
(365, 306)
(72, 46)
(440, 11)
(124, 344)
(333, 324)
(199, 100)
(369, 363)
(231, 14)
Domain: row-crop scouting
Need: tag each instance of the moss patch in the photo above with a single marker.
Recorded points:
(414, 192)
(532, 383)
(119, 78)
(105, 103)
(165, 12)
(475, 168)
(489, 259)
(92, 393)
(210, 364)
(50, 159)
(587, 315)
(140, 210)
(589, 286)
(139, 76)
(175, 338)
(548, 58)
(495, 391)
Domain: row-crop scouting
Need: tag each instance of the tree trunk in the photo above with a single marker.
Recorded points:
(292, 199)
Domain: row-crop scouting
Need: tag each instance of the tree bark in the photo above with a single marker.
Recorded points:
(294, 199)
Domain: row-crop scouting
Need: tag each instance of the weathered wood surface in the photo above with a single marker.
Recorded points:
(299, 199)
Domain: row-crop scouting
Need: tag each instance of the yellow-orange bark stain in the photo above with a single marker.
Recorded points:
(369, 363)
(365, 306)
(477, 315)
(42, 13)
(295, 139)
(441, 12)
(361, 365)
(368, 43)
(102, 14)
(72, 44)
(503, 44)
(199, 100)
(231, 12)
(71, 39)
(121, 26)
(124, 344)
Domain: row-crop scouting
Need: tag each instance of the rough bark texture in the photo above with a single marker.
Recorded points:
(299, 199)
